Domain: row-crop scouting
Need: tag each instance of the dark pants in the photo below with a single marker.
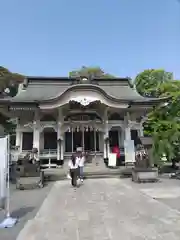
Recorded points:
(74, 175)
(81, 172)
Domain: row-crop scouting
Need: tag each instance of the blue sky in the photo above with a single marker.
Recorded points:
(123, 37)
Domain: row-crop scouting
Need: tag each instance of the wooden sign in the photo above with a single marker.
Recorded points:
(146, 140)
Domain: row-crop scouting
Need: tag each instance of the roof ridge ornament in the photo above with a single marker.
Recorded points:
(84, 101)
(84, 80)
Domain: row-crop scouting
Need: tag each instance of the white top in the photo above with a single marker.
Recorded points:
(81, 161)
(71, 166)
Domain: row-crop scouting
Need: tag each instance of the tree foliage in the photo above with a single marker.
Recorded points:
(8, 86)
(90, 72)
(163, 122)
(9, 80)
(149, 81)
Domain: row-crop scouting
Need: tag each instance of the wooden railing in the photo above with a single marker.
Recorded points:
(48, 152)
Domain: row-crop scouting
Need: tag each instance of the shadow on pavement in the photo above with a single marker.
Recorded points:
(167, 169)
(21, 212)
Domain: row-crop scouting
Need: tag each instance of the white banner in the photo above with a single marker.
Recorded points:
(3, 168)
(129, 151)
(112, 160)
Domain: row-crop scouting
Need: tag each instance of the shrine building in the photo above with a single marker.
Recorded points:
(56, 115)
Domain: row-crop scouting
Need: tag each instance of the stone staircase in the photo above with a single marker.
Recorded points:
(96, 169)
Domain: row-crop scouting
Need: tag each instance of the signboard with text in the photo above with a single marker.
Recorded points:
(129, 151)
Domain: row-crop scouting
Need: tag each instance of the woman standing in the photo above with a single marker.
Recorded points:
(81, 159)
(81, 166)
(73, 166)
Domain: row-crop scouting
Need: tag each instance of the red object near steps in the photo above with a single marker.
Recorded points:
(116, 150)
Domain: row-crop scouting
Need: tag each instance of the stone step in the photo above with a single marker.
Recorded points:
(89, 176)
(89, 172)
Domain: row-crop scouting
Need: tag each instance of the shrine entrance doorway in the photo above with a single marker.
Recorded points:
(82, 132)
(88, 140)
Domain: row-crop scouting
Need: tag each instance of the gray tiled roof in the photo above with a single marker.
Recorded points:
(38, 91)
(122, 92)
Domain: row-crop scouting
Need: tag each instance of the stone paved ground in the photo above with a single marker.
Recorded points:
(24, 205)
(104, 209)
(166, 191)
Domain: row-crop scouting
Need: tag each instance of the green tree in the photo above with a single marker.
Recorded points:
(9, 80)
(163, 122)
(149, 81)
(164, 126)
(90, 72)
(9, 83)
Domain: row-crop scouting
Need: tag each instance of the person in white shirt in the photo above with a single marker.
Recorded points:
(74, 167)
(81, 160)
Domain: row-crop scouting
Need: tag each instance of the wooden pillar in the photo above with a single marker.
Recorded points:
(127, 133)
(36, 136)
(18, 136)
(128, 143)
(119, 136)
(106, 136)
(141, 131)
(127, 127)
(19, 139)
(58, 143)
(95, 145)
(36, 131)
(83, 138)
(60, 148)
(72, 136)
(62, 152)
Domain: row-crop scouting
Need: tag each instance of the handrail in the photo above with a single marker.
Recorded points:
(48, 152)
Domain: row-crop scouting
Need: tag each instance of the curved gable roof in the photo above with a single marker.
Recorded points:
(48, 89)
(39, 90)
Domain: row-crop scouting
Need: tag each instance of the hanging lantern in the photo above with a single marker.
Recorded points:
(69, 129)
(77, 129)
(87, 129)
(91, 128)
